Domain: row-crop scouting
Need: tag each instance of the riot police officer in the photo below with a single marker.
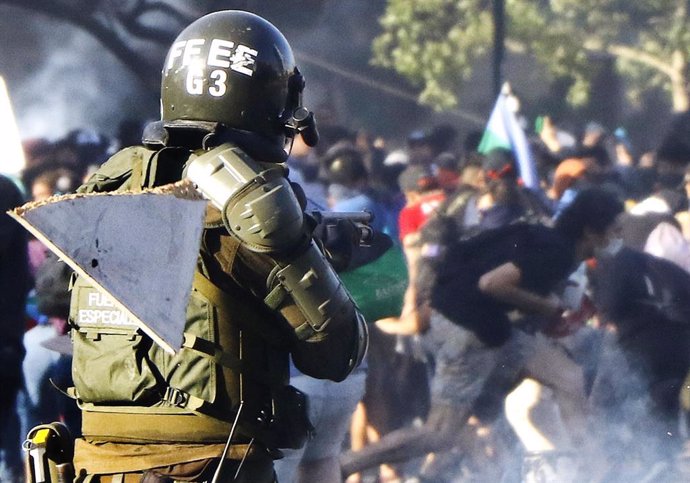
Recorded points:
(230, 100)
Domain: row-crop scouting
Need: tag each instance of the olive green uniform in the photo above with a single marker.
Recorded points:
(144, 409)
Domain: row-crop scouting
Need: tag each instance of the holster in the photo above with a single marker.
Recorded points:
(49, 451)
(290, 422)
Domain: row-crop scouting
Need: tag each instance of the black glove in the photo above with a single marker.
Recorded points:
(339, 240)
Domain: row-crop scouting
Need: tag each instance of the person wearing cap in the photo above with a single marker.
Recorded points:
(588, 167)
(422, 195)
(349, 189)
(419, 148)
(447, 169)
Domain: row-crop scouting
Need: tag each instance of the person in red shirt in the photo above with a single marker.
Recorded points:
(423, 196)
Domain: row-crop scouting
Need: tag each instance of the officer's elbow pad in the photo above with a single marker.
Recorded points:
(334, 353)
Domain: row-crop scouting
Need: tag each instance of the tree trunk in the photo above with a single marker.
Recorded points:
(681, 100)
(679, 82)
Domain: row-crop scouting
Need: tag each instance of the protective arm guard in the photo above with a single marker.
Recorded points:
(259, 207)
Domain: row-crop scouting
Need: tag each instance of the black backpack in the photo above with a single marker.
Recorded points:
(637, 285)
(447, 245)
(455, 294)
(437, 236)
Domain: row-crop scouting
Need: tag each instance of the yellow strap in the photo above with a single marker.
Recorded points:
(41, 436)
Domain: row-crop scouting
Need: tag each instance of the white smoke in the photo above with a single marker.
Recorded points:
(74, 83)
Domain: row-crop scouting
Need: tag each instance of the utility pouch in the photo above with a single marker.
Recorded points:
(49, 451)
(110, 361)
(291, 423)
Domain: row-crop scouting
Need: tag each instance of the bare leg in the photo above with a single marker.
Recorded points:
(519, 404)
(552, 366)
(358, 435)
(439, 433)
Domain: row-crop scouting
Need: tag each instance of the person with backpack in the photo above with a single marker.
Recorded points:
(221, 408)
(476, 324)
(644, 304)
(506, 199)
(495, 199)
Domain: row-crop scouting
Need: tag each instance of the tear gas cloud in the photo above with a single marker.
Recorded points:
(60, 78)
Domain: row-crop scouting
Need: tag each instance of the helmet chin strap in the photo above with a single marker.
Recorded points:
(207, 135)
(289, 143)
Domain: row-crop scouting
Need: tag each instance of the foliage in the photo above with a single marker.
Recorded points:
(435, 43)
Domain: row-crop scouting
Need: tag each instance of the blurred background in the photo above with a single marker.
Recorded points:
(388, 66)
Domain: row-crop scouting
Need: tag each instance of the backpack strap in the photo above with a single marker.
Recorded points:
(456, 203)
(120, 171)
(137, 170)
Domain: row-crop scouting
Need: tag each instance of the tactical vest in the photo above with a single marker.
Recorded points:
(131, 390)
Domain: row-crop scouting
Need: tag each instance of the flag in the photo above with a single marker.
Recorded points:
(504, 131)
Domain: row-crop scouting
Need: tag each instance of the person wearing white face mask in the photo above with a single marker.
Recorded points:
(611, 249)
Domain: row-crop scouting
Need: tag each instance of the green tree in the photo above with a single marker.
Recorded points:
(435, 43)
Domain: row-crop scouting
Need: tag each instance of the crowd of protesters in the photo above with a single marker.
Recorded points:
(35, 303)
(528, 334)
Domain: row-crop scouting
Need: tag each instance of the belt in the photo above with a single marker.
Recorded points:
(118, 478)
(159, 428)
(191, 472)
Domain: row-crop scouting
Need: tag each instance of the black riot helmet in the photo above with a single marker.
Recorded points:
(235, 68)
